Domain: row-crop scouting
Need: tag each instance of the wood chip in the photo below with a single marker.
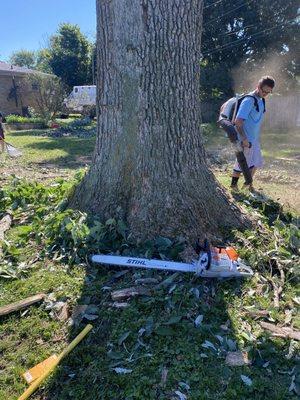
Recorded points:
(237, 358)
(123, 294)
(284, 332)
(5, 224)
(257, 313)
(64, 313)
(78, 313)
(164, 375)
(146, 281)
(120, 305)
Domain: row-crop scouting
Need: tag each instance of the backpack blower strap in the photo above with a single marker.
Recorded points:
(256, 106)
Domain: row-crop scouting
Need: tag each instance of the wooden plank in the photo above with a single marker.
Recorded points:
(19, 305)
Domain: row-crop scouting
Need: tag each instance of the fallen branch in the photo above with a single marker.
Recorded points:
(237, 358)
(284, 332)
(21, 304)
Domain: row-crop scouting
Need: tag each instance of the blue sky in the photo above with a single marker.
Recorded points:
(28, 24)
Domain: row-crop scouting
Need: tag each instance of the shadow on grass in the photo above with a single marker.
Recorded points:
(154, 338)
(151, 348)
(78, 151)
(156, 341)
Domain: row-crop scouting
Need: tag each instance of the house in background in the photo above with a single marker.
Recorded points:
(16, 93)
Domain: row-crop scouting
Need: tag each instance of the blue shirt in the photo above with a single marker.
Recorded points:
(252, 118)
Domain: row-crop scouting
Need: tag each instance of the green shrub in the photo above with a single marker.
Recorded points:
(12, 119)
(75, 116)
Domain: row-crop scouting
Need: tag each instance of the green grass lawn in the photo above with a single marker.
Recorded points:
(63, 152)
(155, 338)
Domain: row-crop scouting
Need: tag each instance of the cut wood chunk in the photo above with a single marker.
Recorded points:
(5, 224)
(237, 358)
(63, 313)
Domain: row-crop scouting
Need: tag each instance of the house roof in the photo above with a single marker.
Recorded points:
(9, 69)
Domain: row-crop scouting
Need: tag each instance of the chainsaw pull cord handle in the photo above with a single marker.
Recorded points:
(204, 252)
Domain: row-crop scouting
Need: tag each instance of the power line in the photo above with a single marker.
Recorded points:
(242, 28)
(236, 42)
(245, 27)
(227, 13)
(216, 2)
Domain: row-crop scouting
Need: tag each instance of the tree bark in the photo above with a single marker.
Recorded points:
(149, 166)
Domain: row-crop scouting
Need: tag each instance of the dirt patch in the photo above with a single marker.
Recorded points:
(33, 174)
(85, 160)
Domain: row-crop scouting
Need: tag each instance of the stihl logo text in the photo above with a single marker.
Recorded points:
(135, 262)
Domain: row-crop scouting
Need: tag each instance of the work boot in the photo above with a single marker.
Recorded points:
(249, 187)
(234, 188)
(255, 193)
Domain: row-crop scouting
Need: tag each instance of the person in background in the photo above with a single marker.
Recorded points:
(248, 123)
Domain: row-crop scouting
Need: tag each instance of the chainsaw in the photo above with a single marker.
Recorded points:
(213, 262)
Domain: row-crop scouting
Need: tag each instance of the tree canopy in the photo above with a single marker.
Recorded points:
(241, 40)
(70, 55)
(23, 58)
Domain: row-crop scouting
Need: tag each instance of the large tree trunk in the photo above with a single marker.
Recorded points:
(149, 165)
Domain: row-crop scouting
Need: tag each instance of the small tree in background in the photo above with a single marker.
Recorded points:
(38, 60)
(70, 56)
(23, 58)
(49, 94)
(43, 61)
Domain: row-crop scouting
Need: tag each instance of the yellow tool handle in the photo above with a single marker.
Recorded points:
(32, 388)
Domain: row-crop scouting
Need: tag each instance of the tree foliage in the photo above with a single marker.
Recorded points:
(70, 55)
(23, 58)
(42, 61)
(37, 60)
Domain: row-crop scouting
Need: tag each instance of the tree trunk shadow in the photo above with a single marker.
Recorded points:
(179, 332)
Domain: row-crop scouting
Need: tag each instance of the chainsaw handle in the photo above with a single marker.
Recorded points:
(205, 248)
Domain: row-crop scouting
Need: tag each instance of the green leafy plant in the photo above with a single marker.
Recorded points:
(11, 119)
